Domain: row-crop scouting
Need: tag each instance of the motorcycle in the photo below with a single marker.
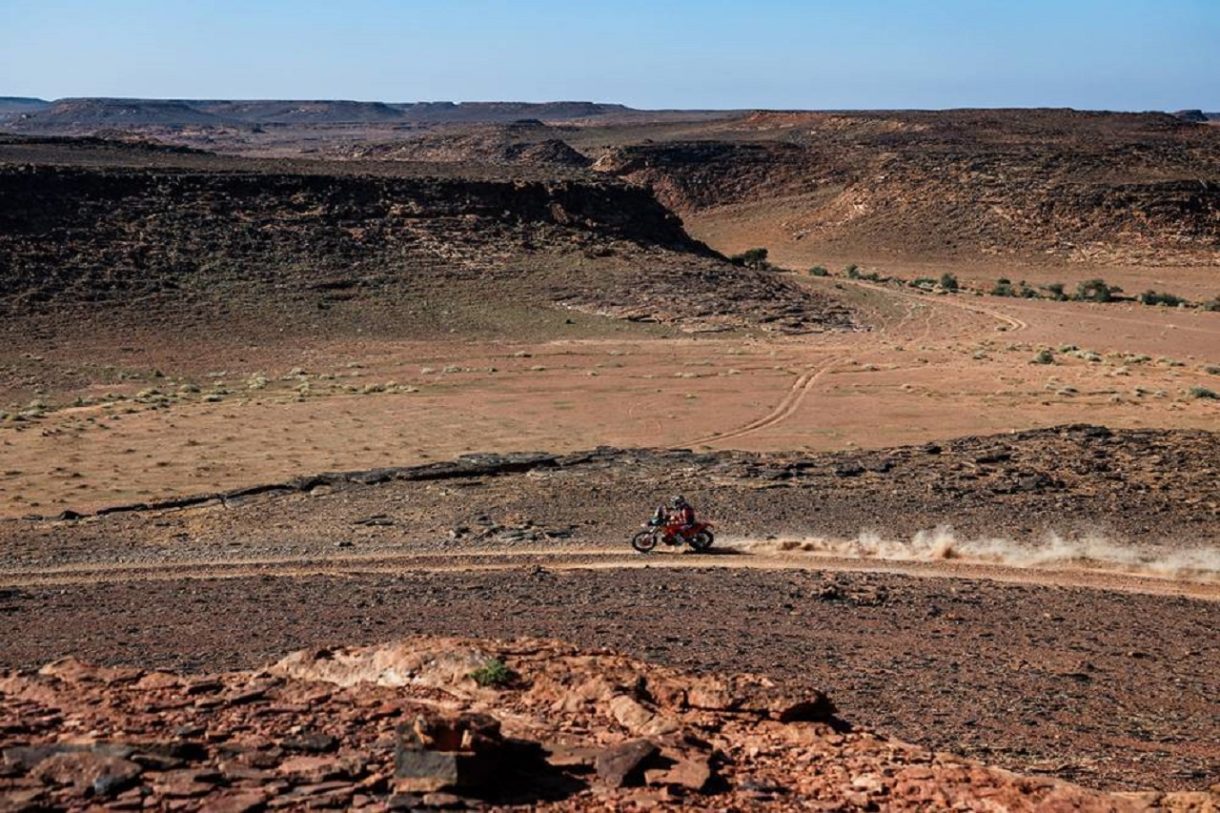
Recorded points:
(699, 536)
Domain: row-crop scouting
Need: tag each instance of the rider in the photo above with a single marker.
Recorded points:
(681, 514)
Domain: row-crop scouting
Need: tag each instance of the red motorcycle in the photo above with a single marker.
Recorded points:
(699, 536)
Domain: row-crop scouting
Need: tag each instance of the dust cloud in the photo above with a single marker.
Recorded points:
(1053, 552)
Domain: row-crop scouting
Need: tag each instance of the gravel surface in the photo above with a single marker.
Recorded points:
(1110, 690)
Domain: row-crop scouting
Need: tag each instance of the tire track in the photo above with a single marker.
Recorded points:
(785, 409)
(1013, 322)
(601, 559)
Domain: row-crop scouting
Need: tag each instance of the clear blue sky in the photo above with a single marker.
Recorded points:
(1115, 54)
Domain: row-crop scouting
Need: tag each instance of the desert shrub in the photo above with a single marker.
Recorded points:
(1043, 356)
(1026, 291)
(819, 271)
(1213, 306)
(1096, 290)
(852, 271)
(1203, 392)
(493, 673)
(751, 258)
(926, 283)
(873, 276)
(948, 282)
(1151, 297)
(1003, 287)
(1054, 290)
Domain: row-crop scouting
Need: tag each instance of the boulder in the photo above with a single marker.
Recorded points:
(637, 719)
(88, 772)
(623, 764)
(438, 753)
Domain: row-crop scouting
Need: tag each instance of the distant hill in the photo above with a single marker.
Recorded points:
(502, 112)
(299, 112)
(91, 114)
(16, 105)
(1055, 185)
(526, 141)
(87, 114)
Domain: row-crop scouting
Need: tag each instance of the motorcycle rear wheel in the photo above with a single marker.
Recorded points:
(644, 541)
(702, 541)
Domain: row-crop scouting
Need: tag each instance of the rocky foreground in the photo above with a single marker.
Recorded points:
(455, 723)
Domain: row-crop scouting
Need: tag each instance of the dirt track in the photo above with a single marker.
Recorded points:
(740, 555)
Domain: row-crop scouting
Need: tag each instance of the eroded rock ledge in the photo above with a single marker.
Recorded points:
(442, 722)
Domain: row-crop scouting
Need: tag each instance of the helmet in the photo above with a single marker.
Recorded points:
(677, 502)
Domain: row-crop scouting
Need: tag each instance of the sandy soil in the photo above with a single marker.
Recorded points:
(931, 367)
(732, 229)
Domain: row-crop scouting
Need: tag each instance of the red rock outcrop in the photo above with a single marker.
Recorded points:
(434, 722)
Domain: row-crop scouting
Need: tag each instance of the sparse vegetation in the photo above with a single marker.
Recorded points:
(1203, 393)
(751, 258)
(948, 281)
(1044, 356)
(1002, 287)
(1096, 290)
(1151, 297)
(852, 271)
(819, 271)
(1055, 291)
(493, 674)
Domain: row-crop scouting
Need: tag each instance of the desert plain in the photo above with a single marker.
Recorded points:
(391, 387)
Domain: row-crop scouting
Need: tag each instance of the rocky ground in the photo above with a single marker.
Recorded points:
(1151, 487)
(1049, 186)
(183, 241)
(1114, 688)
(455, 723)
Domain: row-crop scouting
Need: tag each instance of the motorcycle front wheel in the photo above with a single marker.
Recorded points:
(702, 541)
(644, 541)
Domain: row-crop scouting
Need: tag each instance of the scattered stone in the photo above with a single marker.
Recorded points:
(691, 773)
(312, 742)
(623, 764)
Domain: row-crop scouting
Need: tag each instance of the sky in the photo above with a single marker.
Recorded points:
(1094, 54)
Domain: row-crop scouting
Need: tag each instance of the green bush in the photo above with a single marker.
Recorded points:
(751, 258)
(948, 282)
(1203, 392)
(494, 673)
(1096, 290)
(1054, 290)
(926, 283)
(1003, 287)
(1044, 356)
(819, 271)
(852, 271)
(1151, 297)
